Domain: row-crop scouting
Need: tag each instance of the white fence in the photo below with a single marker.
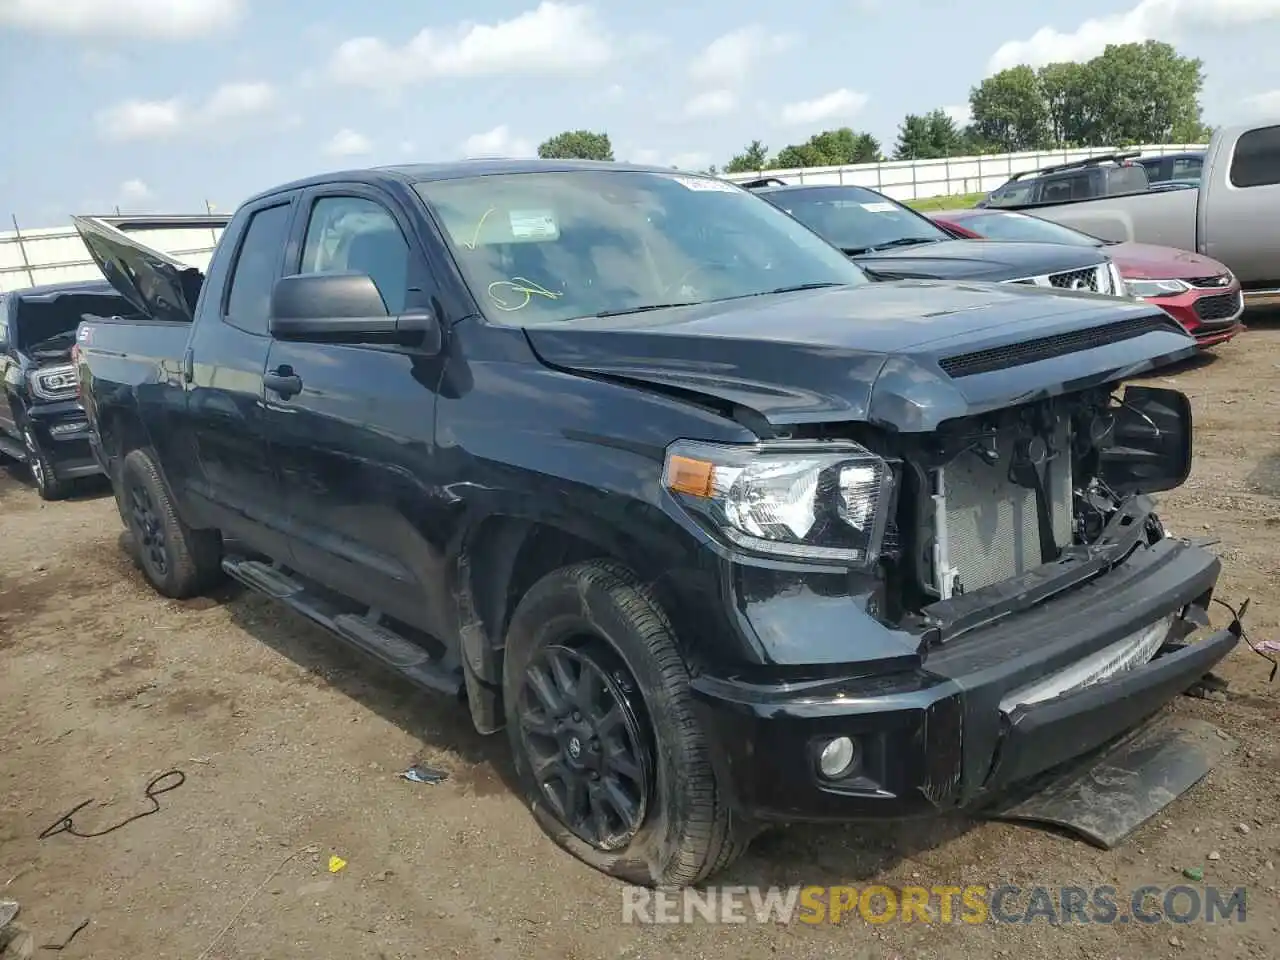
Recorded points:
(31, 258)
(917, 179)
(53, 255)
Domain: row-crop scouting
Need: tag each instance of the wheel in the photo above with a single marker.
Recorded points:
(179, 562)
(607, 747)
(42, 473)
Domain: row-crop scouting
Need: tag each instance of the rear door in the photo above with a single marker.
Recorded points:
(237, 485)
(1240, 197)
(355, 445)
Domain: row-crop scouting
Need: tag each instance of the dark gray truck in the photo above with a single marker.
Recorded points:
(1233, 216)
(721, 532)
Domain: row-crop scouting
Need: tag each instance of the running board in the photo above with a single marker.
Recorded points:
(363, 632)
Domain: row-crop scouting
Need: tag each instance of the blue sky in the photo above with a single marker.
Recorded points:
(164, 104)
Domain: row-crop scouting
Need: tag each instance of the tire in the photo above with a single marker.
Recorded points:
(596, 614)
(42, 473)
(179, 562)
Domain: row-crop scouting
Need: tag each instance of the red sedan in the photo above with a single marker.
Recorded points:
(1201, 294)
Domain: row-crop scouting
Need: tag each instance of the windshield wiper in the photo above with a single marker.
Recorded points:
(900, 242)
(816, 285)
(623, 311)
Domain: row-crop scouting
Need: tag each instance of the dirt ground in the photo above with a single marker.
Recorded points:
(292, 751)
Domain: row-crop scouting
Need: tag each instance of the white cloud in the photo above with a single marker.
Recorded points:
(127, 19)
(1148, 20)
(960, 114)
(713, 103)
(132, 195)
(552, 38)
(729, 59)
(162, 119)
(840, 104)
(1266, 104)
(497, 142)
(691, 161)
(348, 143)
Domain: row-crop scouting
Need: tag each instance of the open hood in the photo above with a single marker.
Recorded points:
(155, 283)
(905, 355)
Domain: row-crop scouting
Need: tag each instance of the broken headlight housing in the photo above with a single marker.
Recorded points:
(54, 383)
(826, 502)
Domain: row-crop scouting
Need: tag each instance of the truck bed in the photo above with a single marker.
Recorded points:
(1165, 218)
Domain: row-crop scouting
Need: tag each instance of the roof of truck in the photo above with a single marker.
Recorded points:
(457, 169)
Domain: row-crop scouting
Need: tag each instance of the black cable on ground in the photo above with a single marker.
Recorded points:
(157, 786)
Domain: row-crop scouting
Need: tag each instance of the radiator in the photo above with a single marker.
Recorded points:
(990, 530)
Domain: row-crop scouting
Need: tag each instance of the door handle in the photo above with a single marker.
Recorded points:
(283, 381)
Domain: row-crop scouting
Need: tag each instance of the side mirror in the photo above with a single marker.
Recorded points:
(346, 308)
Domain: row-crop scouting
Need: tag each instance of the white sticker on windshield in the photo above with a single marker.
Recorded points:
(880, 206)
(533, 225)
(706, 183)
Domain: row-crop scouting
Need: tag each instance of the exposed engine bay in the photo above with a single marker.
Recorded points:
(986, 502)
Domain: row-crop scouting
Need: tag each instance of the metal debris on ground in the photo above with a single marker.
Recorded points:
(8, 910)
(421, 773)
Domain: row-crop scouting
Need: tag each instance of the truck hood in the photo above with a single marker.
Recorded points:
(1143, 261)
(876, 353)
(977, 260)
(156, 284)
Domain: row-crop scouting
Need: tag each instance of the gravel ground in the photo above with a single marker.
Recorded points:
(292, 751)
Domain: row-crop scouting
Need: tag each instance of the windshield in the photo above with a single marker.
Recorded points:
(856, 220)
(541, 248)
(1019, 226)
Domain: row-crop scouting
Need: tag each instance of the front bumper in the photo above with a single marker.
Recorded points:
(937, 738)
(62, 431)
(1211, 315)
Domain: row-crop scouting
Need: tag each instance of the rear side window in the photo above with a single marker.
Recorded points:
(254, 273)
(1187, 168)
(1256, 162)
(1128, 179)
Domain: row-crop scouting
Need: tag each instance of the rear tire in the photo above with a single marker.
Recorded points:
(649, 809)
(179, 562)
(43, 474)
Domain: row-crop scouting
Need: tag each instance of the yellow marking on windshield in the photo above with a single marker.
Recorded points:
(519, 285)
(475, 236)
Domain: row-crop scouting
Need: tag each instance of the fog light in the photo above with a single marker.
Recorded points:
(837, 758)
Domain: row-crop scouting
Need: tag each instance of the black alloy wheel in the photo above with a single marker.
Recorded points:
(148, 531)
(585, 743)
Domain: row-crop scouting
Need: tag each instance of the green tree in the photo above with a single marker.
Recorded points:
(1145, 93)
(577, 145)
(754, 157)
(1009, 110)
(927, 137)
(1071, 103)
(830, 148)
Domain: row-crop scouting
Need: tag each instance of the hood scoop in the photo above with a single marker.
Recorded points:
(1057, 345)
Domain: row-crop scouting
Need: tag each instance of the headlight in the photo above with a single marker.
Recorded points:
(804, 501)
(1155, 288)
(54, 383)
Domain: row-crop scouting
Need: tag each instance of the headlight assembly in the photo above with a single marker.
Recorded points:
(1155, 288)
(794, 500)
(54, 383)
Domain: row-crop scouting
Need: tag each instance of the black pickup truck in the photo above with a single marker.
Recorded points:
(41, 421)
(721, 532)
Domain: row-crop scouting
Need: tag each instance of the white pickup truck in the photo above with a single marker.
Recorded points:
(1233, 216)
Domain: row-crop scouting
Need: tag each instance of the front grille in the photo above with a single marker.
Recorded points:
(1087, 279)
(991, 530)
(1046, 348)
(1222, 306)
(1221, 280)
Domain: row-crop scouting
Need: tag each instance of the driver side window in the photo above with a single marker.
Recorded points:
(356, 235)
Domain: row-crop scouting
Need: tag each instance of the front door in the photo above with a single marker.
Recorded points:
(355, 444)
(236, 487)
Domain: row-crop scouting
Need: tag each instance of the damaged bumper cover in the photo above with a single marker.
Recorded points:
(996, 705)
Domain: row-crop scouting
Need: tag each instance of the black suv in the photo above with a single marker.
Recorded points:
(1105, 176)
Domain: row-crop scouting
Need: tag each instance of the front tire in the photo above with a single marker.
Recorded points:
(43, 474)
(179, 562)
(609, 753)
